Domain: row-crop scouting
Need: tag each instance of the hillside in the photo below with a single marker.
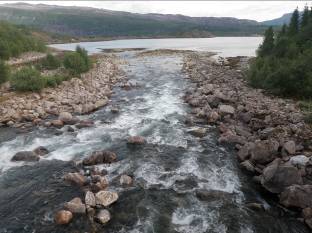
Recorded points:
(92, 22)
(284, 19)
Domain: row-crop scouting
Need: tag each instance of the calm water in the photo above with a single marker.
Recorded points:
(224, 46)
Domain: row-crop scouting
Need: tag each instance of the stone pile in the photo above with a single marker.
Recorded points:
(272, 140)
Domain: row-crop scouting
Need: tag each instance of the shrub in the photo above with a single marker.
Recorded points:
(55, 80)
(77, 62)
(51, 62)
(4, 72)
(28, 79)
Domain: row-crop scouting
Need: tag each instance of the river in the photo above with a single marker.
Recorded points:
(168, 170)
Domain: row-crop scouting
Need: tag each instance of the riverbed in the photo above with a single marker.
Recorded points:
(168, 171)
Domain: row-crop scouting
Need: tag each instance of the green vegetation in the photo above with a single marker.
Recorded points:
(51, 62)
(77, 62)
(4, 72)
(283, 62)
(15, 40)
(29, 78)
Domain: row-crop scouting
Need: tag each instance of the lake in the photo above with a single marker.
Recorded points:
(224, 46)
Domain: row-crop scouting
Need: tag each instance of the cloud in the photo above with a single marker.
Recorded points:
(256, 10)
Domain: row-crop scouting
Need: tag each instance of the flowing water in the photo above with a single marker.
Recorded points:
(167, 171)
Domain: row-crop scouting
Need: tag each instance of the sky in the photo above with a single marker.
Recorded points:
(256, 10)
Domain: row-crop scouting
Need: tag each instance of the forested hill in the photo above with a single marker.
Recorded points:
(84, 21)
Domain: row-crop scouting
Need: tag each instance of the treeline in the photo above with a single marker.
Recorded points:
(15, 40)
(284, 60)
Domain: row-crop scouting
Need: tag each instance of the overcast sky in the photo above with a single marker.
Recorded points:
(257, 10)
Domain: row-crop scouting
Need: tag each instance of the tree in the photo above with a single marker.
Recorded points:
(268, 43)
(294, 23)
(305, 17)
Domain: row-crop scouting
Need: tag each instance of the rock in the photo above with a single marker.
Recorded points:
(276, 177)
(255, 206)
(198, 132)
(307, 213)
(213, 117)
(211, 195)
(114, 110)
(65, 117)
(75, 178)
(57, 123)
(100, 103)
(106, 198)
(137, 140)
(125, 180)
(248, 166)
(41, 151)
(99, 185)
(84, 124)
(75, 206)
(98, 157)
(290, 147)
(27, 156)
(264, 151)
(297, 196)
(299, 160)
(63, 217)
(90, 199)
(226, 109)
(244, 152)
(103, 216)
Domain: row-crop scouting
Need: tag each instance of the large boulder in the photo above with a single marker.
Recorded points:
(75, 178)
(27, 156)
(106, 198)
(297, 196)
(264, 151)
(63, 217)
(41, 151)
(98, 157)
(276, 177)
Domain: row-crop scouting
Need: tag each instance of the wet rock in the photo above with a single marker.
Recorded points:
(290, 147)
(114, 110)
(106, 198)
(297, 196)
(125, 180)
(264, 151)
(84, 124)
(276, 177)
(63, 217)
(226, 109)
(198, 132)
(41, 151)
(75, 206)
(103, 216)
(211, 195)
(307, 215)
(90, 199)
(248, 166)
(27, 156)
(57, 123)
(75, 178)
(98, 157)
(255, 206)
(137, 140)
(65, 117)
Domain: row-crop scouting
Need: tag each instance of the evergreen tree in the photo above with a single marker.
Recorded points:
(305, 17)
(294, 23)
(268, 43)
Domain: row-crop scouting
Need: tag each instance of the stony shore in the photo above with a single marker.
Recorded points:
(79, 96)
(272, 140)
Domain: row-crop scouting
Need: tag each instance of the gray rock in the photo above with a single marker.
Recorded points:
(264, 151)
(137, 140)
(125, 180)
(75, 178)
(103, 216)
(106, 198)
(90, 199)
(290, 147)
(198, 132)
(65, 117)
(226, 109)
(27, 156)
(299, 160)
(297, 196)
(248, 166)
(41, 151)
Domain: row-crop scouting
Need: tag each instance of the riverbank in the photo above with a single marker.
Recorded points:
(272, 140)
(78, 95)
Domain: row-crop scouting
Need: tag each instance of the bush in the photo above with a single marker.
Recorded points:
(77, 62)
(4, 72)
(28, 79)
(53, 81)
(51, 62)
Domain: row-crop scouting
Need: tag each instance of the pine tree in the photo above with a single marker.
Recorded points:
(305, 17)
(294, 23)
(268, 43)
